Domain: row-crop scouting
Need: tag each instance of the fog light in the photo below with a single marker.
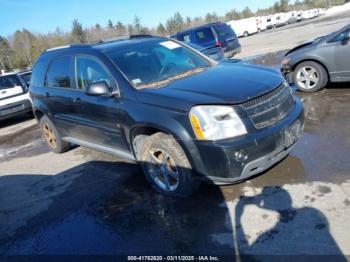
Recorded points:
(241, 155)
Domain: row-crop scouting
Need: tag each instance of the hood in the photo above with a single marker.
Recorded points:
(303, 46)
(224, 83)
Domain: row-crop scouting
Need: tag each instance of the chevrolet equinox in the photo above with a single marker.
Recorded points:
(184, 117)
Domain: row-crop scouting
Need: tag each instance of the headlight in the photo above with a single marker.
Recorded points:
(285, 61)
(216, 122)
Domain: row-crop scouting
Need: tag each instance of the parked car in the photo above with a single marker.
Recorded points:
(313, 64)
(244, 27)
(211, 35)
(183, 117)
(14, 96)
(215, 52)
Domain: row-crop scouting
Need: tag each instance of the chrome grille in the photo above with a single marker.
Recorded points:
(270, 108)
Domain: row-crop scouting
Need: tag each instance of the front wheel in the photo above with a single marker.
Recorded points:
(310, 77)
(52, 137)
(166, 166)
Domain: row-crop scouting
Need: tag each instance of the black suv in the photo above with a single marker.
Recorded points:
(184, 117)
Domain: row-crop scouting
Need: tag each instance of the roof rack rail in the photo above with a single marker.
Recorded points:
(76, 45)
(120, 38)
(113, 39)
(57, 48)
(141, 35)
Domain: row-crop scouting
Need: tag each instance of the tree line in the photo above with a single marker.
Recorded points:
(20, 50)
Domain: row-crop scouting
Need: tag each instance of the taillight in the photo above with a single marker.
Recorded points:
(218, 43)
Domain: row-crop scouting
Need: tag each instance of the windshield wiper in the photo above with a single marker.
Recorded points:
(172, 78)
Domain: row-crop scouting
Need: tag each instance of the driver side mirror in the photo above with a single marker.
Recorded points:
(99, 88)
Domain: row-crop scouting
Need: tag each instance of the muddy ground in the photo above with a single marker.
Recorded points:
(89, 203)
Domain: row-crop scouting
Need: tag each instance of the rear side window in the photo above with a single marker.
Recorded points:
(9, 81)
(185, 38)
(59, 72)
(88, 70)
(26, 77)
(224, 31)
(205, 35)
(38, 74)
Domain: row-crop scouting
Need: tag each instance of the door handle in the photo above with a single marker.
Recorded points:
(47, 94)
(3, 92)
(77, 100)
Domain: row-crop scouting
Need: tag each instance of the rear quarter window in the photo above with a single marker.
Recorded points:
(38, 74)
(26, 77)
(225, 31)
(205, 35)
(185, 38)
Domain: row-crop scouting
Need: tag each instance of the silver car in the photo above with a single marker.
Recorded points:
(312, 65)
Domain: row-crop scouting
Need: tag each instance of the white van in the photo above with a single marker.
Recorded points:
(14, 96)
(244, 27)
(306, 15)
(281, 19)
(271, 21)
(261, 23)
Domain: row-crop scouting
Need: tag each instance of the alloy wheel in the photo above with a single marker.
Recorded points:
(49, 135)
(307, 77)
(163, 170)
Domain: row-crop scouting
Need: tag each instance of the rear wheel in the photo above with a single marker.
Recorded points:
(246, 34)
(166, 166)
(52, 137)
(310, 77)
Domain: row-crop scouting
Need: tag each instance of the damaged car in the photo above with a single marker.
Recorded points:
(184, 117)
(312, 65)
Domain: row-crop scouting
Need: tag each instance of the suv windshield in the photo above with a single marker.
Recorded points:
(156, 62)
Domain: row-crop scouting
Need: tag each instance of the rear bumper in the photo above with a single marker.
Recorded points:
(230, 53)
(263, 149)
(15, 108)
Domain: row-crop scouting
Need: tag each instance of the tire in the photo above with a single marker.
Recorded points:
(158, 171)
(246, 34)
(52, 137)
(310, 77)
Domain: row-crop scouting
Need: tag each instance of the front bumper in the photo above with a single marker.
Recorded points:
(15, 109)
(263, 149)
(287, 73)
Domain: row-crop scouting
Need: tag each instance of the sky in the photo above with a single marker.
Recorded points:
(43, 16)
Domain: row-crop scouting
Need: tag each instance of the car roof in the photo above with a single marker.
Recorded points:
(120, 43)
(199, 27)
(102, 46)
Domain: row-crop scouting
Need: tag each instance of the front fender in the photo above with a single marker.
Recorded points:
(310, 57)
(175, 123)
